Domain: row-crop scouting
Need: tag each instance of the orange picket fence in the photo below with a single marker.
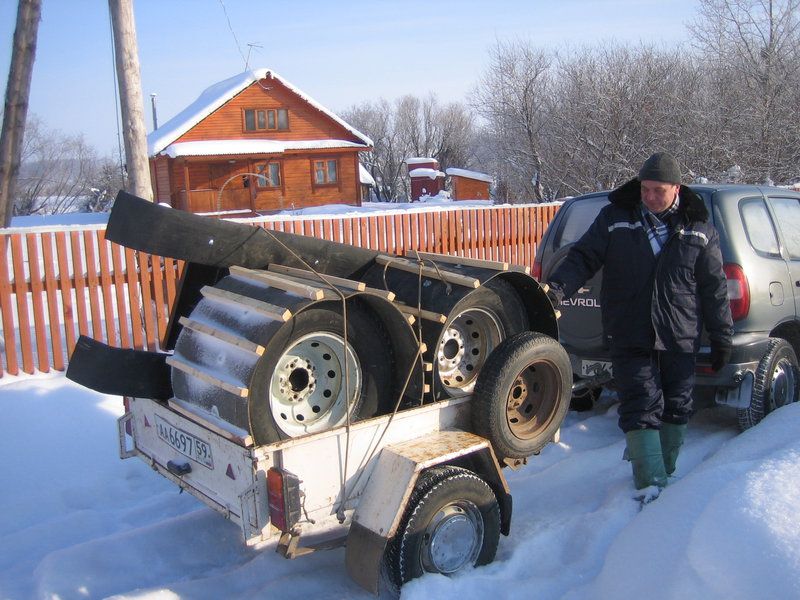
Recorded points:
(59, 283)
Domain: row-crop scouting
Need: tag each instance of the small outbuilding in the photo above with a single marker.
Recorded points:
(426, 178)
(469, 185)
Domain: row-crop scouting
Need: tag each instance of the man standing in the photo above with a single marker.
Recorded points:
(662, 281)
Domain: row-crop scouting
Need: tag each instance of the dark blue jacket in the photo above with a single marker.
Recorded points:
(647, 301)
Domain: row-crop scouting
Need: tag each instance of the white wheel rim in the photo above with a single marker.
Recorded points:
(307, 389)
(463, 348)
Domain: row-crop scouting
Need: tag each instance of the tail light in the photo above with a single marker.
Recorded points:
(283, 497)
(738, 290)
(537, 268)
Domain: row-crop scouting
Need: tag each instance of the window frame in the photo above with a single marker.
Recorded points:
(266, 164)
(326, 160)
(261, 116)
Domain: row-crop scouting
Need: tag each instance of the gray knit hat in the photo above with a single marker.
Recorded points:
(661, 167)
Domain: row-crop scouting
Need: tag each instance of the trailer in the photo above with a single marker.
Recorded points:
(320, 394)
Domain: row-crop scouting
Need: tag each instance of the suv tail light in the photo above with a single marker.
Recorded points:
(738, 290)
(537, 268)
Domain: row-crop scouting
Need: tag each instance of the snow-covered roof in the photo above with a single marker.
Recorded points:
(231, 147)
(429, 173)
(364, 176)
(420, 160)
(217, 95)
(469, 174)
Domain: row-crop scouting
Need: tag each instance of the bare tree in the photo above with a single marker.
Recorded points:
(752, 49)
(512, 97)
(62, 173)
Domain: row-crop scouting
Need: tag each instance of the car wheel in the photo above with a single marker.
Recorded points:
(522, 395)
(452, 522)
(776, 383)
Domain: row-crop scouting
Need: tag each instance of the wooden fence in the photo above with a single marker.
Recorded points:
(56, 284)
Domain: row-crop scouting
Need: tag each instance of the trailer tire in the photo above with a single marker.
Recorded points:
(451, 522)
(315, 337)
(475, 326)
(522, 395)
(777, 383)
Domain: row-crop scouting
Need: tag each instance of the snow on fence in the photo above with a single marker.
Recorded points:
(56, 284)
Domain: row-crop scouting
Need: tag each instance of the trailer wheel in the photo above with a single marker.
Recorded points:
(299, 385)
(475, 326)
(451, 522)
(777, 382)
(522, 395)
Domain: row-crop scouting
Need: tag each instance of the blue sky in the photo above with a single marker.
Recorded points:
(339, 52)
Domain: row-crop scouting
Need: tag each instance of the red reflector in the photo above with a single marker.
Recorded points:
(146, 422)
(283, 498)
(704, 370)
(229, 472)
(738, 290)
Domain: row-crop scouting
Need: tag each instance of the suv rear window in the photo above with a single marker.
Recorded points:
(580, 215)
(759, 228)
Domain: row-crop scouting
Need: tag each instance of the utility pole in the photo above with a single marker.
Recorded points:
(126, 51)
(18, 90)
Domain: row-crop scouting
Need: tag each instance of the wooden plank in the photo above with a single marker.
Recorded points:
(106, 288)
(21, 293)
(422, 314)
(270, 310)
(119, 290)
(65, 282)
(412, 267)
(304, 274)
(236, 390)
(172, 273)
(462, 260)
(228, 338)
(37, 295)
(93, 283)
(150, 328)
(184, 409)
(281, 282)
(158, 275)
(9, 340)
(51, 291)
(405, 243)
(80, 282)
(364, 232)
(132, 278)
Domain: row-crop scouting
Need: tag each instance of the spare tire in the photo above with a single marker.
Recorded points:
(299, 385)
(522, 395)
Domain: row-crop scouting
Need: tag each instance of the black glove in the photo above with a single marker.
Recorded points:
(720, 356)
(554, 294)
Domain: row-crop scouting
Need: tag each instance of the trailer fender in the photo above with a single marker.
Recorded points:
(389, 488)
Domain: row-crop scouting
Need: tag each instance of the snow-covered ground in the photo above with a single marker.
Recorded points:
(76, 522)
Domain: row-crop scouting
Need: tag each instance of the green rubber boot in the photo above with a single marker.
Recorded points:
(647, 461)
(671, 441)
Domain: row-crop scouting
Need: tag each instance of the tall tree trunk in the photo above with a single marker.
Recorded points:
(16, 104)
(131, 103)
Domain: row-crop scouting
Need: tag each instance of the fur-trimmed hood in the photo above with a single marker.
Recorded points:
(629, 195)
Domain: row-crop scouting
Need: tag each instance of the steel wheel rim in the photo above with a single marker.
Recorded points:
(463, 348)
(783, 385)
(453, 539)
(307, 388)
(531, 405)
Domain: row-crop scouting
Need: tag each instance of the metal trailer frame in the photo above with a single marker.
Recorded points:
(355, 481)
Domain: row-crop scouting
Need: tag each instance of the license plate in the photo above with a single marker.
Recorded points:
(185, 443)
(593, 368)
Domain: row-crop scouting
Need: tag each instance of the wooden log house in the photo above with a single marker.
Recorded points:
(254, 143)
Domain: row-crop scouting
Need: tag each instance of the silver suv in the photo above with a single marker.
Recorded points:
(759, 229)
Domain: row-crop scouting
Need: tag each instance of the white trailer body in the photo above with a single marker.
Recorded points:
(354, 482)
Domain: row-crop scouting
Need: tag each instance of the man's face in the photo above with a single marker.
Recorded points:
(657, 195)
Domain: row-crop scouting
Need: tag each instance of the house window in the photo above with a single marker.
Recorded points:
(269, 175)
(265, 119)
(326, 171)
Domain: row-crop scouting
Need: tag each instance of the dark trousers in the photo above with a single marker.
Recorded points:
(653, 386)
